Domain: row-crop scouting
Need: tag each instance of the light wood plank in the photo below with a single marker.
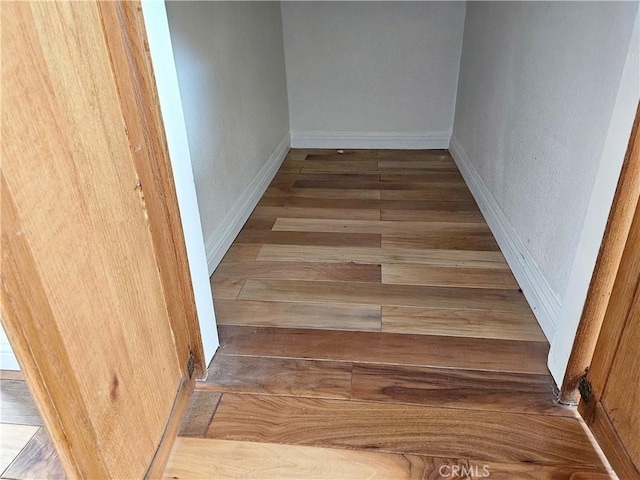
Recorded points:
(365, 255)
(411, 181)
(467, 389)
(308, 378)
(439, 432)
(202, 406)
(11, 375)
(449, 205)
(298, 315)
(446, 241)
(437, 191)
(308, 238)
(381, 294)
(386, 348)
(36, 461)
(225, 459)
(241, 253)
(13, 439)
(301, 212)
(226, 288)
(448, 276)
(335, 272)
(462, 323)
(375, 226)
(17, 404)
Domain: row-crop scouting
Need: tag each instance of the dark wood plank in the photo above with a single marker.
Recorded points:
(439, 432)
(17, 404)
(226, 288)
(308, 238)
(468, 389)
(375, 226)
(527, 471)
(257, 223)
(37, 459)
(382, 294)
(334, 272)
(202, 406)
(434, 205)
(386, 348)
(322, 193)
(308, 378)
(302, 212)
(393, 215)
(364, 318)
(437, 191)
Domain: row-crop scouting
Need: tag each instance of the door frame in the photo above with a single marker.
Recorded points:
(608, 262)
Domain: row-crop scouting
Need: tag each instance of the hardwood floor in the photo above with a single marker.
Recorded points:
(371, 328)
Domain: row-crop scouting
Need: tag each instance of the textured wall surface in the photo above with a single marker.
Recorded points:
(230, 62)
(538, 82)
(372, 66)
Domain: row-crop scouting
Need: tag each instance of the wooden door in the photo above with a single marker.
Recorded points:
(611, 398)
(96, 294)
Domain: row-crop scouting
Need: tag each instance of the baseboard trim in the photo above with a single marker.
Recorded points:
(376, 140)
(219, 242)
(544, 303)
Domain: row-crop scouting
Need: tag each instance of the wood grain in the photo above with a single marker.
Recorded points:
(335, 272)
(201, 408)
(375, 226)
(438, 432)
(462, 323)
(298, 315)
(467, 389)
(302, 212)
(381, 294)
(386, 348)
(224, 459)
(37, 460)
(442, 241)
(11, 375)
(323, 193)
(266, 237)
(408, 274)
(369, 256)
(308, 378)
(430, 216)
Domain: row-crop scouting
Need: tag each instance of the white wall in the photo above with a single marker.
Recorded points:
(230, 62)
(372, 74)
(538, 84)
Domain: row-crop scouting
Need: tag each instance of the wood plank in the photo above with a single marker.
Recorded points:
(308, 238)
(335, 272)
(322, 193)
(37, 460)
(11, 375)
(241, 253)
(467, 389)
(224, 459)
(368, 256)
(308, 378)
(298, 315)
(524, 471)
(13, 439)
(439, 432)
(226, 288)
(17, 404)
(439, 191)
(448, 276)
(201, 408)
(375, 226)
(301, 212)
(446, 241)
(386, 348)
(401, 178)
(257, 223)
(373, 182)
(434, 205)
(381, 294)
(443, 162)
(283, 180)
(462, 323)
(342, 166)
(394, 215)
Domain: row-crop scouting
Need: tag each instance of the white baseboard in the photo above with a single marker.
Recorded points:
(544, 302)
(381, 140)
(218, 243)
